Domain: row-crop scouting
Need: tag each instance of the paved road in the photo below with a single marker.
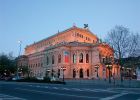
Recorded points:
(37, 91)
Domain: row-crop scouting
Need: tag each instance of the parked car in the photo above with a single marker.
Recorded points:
(17, 78)
(40, 78)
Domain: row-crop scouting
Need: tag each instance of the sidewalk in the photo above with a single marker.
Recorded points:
(106, 84)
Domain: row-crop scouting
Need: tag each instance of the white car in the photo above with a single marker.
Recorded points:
(40, 78)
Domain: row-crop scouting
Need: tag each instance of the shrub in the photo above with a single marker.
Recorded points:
(46, 79)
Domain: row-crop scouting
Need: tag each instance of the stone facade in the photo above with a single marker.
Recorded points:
(74, 53)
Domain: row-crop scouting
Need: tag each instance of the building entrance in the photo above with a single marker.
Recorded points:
(81, 73)
(74, 73)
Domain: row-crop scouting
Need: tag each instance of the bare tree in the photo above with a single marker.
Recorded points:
(124, 43)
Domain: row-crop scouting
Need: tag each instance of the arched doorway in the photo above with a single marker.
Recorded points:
(87, 72)
(74, 73)
(58, 73)
(81, 73)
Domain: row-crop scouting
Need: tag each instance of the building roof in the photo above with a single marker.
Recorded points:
(69, 29)
(72, 44)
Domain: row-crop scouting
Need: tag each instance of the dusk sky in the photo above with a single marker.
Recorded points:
(33, 20)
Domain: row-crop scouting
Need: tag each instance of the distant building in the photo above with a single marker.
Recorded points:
(75, 52)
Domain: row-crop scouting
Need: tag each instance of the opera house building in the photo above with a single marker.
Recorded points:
(73, 53)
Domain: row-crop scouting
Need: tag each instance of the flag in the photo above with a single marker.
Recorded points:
(66, 56)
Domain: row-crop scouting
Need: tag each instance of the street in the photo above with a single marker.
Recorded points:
(42, 91)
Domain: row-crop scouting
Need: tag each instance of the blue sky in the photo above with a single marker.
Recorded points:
(33, 20)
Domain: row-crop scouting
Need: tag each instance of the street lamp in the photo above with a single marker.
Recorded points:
(109, 67)
(108, 63)
(63, 69)
(5, 72)
(19, 42)
(47, 72)
(129, 75)
(21, 72)
(122, 73)
(97, 66)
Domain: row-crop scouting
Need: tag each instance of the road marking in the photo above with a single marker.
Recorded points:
(61, 94)
(46, 87)
(99, 90)
(118, 90)
(114, 96)
(38, 86)
(54, 87)
(76, 89)
(9, 97)
(82, 89)
(65, 88)
(90, 90)
(126, 88)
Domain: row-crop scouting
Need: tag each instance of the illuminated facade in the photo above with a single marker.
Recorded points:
(74, 53)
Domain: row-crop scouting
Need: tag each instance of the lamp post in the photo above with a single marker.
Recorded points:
(63, 69)
(19, 42)
(109, 67)
(129, 75)
(122, 74)
(47, 73)
(97, 66)
(108, 63)
(5, 72)
(104, 77)
(21, 72)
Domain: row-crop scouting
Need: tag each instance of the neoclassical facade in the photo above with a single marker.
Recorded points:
(74, 53)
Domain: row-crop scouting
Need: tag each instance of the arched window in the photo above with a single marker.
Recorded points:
(74, 58)
(47, 60)
(81, 58)
(53, 59)
(87, 58)
(59, 58)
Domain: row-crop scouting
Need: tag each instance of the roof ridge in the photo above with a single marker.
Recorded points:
(73, 27)
(52, 35)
